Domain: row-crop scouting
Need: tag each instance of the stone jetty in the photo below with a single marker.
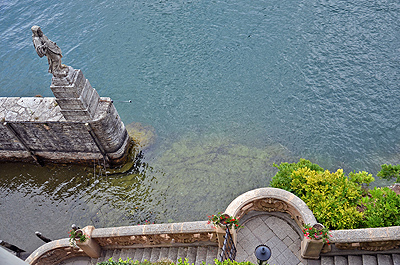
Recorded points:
(77, 126)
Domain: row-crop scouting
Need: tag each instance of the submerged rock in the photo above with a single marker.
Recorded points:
(203, 174)
(143, 135)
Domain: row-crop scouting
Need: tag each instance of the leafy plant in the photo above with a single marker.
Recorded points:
(77, 235)
(166, 262)
(362, 178)
(389, 172)
(332, 197)
(282, 179)
(224, 220)
(311, 232)
(382, 208)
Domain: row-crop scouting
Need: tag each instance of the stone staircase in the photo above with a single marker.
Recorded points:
(195, 254)
(379, 259)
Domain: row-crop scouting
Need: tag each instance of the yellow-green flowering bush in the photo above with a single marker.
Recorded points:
(332, 197)
(339, 201)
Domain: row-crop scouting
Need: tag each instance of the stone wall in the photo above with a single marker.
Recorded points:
(35, 129)
(76, 126)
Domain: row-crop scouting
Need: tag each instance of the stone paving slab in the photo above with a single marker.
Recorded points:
(277, 231)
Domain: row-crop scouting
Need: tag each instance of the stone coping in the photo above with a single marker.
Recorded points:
(41, 109)
(284, 196)
(154, 229)
(51, 246)
(378, 234)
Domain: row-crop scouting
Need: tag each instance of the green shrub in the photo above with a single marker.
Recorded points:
(332, 197)
(341, 202)
(166, 262)
(389, 172)
(381, 208)
(282, 179)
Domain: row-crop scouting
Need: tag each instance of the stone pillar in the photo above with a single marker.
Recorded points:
(311, 248)
(77, 99)
(90, 246)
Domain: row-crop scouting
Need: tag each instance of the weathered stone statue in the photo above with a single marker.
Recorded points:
(45, 47)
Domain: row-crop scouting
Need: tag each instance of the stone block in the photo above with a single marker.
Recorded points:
(384, 259)
(311, 248)
(369, 259)
(76, 115)
(73, 90)
(327, 261)
(396, 259)
(354, 260)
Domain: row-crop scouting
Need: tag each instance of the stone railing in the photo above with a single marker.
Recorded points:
(173, 234)
(54, 252)
(271, 200)
(368, 239)
(155, 235)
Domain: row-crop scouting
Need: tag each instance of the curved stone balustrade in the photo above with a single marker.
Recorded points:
(54, 252)
(271, 200)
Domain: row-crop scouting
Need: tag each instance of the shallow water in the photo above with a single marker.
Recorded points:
(228, 86)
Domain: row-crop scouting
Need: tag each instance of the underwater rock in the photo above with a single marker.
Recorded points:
(203, 174)
(143, 135)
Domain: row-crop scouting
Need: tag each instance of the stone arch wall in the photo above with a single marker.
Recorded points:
(272, 200)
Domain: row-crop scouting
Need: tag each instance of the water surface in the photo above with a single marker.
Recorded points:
(229, 87)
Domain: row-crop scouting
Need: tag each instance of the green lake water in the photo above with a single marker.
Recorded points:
(227, 87)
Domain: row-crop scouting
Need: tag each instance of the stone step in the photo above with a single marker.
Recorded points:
(379, 259)
(155, 254)
(191, 254)
(327, 261)
(396, 259)
(127, 253)
(138, 254)
(212, 253)
(384, 259)
(146, 254)
(194, 255)
(201, 255)
(340, 260)
(164, 253)
(116, 254)
(173, 253)
(182, 252)
(369, 259)
(109, 254)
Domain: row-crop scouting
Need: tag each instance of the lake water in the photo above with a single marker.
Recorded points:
(227, 87)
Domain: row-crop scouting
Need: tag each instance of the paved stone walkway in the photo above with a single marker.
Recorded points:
(276, 230)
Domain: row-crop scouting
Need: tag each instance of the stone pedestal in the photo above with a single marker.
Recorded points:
(311, 248)
(90, 246)
(77, 99)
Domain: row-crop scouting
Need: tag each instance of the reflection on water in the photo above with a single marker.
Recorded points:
(221, 82)
(195, 176)
(49, 199)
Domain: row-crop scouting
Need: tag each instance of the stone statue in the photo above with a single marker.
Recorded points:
(45, 47)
